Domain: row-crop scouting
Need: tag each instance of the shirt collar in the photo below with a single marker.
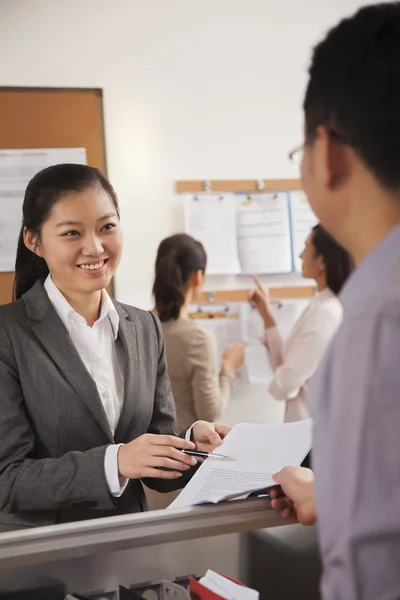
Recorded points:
(321, 297)
(373, 269)
(324, 294)
(68, 314)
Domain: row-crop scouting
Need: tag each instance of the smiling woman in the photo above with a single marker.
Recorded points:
(86, 410)
(77, 228)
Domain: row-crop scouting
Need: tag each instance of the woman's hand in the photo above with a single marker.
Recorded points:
(259, 298)
(233, 356)
(208, 436)
(139, 458)
(294, 499)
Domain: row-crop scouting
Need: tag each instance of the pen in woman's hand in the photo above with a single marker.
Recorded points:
(199, 454)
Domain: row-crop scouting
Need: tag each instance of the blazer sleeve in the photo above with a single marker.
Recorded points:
(304, 355)
(210, 390)
(164, 417)
(30, 484)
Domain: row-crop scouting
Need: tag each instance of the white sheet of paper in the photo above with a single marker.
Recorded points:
(258, 369)
(259, 452)
(211, 218)
(275, 446)
(303, 220)
(17, 167)
(263, 232)
(257, 365)
(252, 324)
(226, 329)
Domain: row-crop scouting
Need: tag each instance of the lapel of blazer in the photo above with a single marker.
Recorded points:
(51, 332)
(127, 335)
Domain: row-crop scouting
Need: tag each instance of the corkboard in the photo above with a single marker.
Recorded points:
(239, 185)
(51, 118)
(275, 293)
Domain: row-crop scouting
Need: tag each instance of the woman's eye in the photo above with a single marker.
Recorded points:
(109, 226)
(70, 233)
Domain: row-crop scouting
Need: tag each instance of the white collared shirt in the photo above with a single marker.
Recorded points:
(296, 359)
(103, 360)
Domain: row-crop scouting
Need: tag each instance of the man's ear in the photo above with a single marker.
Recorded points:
(333, 159)
(31, 241)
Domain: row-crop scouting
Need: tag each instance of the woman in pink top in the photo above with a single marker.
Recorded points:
(296, 359)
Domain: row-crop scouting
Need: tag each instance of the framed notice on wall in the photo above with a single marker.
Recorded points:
(17, 167)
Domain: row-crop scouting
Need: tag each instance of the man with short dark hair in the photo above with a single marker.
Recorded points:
(351, 175)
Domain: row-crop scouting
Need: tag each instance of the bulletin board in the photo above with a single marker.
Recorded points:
(51, 118)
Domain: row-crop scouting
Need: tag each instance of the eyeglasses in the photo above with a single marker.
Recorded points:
(296, 155)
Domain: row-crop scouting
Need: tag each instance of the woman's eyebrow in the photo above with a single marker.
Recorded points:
(69, 222)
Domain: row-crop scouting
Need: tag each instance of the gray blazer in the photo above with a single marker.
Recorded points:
(53, 428)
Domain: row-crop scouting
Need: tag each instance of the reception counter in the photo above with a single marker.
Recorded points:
(94, 557)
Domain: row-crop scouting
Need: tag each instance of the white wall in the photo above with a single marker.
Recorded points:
(192, 90)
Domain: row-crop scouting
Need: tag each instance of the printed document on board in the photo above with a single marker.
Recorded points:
(302, 221)
(211, 219)
(17, 167)
(257, 452)
(223, 321)
(263, 233)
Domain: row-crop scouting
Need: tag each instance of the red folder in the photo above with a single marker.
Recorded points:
(199, 592)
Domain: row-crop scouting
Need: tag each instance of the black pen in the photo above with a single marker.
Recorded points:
(200, 454)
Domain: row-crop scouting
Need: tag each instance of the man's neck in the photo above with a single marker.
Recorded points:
(371, 216)
(366, 238)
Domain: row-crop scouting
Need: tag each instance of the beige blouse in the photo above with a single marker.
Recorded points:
(200, 392)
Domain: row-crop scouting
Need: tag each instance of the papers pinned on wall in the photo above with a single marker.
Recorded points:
(302, 221)
(234, 323)
(263, 233)
(17, 167)
(250, 234)
(258, 369)
(223, 321)
(211, 219)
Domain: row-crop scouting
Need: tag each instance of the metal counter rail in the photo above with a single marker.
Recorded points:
(88, 538)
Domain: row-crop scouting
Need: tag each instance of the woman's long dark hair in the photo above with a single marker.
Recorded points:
(178, 258)
(43, 192)
(338, 262)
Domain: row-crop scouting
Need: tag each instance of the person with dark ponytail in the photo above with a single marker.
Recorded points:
(199, 389)
(86, 410)
(296, 359)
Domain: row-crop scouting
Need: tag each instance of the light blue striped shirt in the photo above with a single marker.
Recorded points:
(355, 402)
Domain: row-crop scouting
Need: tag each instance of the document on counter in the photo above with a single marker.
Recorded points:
(17, 167)
(263, 233)
(211, 219)
(302, 221)
(256, 452)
